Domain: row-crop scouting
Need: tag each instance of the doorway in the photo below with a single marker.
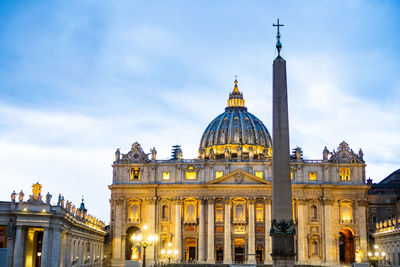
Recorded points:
(346, 245)
(219, 255)
(239, 250)
(190, 249)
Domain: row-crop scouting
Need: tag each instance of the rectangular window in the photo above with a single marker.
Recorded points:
(373, 219)
(389, 209)
(135, 174)
(219, 213)
(291, 175)
(259, 213)
(344, 173)
(260, 174)
(312, 176)
(219, 174)
(165, 175)
(190, 175)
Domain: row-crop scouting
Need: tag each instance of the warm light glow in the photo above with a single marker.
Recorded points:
(312, 176)
(169, 244)
(165, 175)
(344, 173)
(39, 254)
(383, 254)
(219, 174)
(43, 210)
(376, 246)
(175, 252)
(24, 209)
(369, 254)
(190, 175)
(260, 174)
(376, 254)
(145, 227)
(163, 251)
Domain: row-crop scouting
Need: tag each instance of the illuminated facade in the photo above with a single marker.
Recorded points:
(217, 208)
(34, 233)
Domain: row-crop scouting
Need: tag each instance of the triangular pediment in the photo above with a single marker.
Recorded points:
(239, 177)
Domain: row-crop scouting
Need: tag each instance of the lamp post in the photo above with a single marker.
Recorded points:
(144, 241)
(169, 253)
(376, 255)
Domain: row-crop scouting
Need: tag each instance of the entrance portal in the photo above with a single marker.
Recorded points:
(190, 249)
(239, 250)
(132, 253)
(346, 245)
(220, 255)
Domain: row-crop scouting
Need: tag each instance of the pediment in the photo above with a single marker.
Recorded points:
(239, 177)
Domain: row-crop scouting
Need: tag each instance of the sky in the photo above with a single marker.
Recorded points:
(79, 79)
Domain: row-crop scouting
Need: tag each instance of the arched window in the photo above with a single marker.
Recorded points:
(259, 213)
(190, 212)
(239, 212)
(219, 213)
(314, 212)
(346, 212)
(164, 212)
(134, 216)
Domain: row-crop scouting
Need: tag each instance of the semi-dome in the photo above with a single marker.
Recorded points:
(236, 133)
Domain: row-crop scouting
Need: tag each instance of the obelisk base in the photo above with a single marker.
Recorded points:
(283, 250)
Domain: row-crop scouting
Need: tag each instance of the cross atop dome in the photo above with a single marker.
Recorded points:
(236, 97)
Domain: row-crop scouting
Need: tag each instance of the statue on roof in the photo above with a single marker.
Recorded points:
(48, 198)
(117, 155)
(227, 153)
(361, 154)
(325, 153)
(21, 196)
(13, 195)
(153, 154)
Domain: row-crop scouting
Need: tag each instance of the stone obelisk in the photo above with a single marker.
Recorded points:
(282, 227)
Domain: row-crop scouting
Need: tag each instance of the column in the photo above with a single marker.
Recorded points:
(45, 248)
(210, 232)
(67, 247)
(267, 219)
(252, 238)
(329, 238)
(178, 230)
(362, 222)
(18, 248)
(116, 238)
(227, 233)
(202, 247)
(150, 257)
(55, 247)
(301, 235)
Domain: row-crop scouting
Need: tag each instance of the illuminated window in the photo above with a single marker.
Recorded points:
(190, 175)
(190, 215)
(260, 174)
(291, 175)
(344, 173)
(239, 214)
(219, 213)
(218, 174)
(259, 213)
(345, 212)
(3, 239)
(312, 176)
(135, 174)
(314, 212)
(165, 175)
(134, 213)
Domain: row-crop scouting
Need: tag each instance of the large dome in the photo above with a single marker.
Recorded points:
(236, 133)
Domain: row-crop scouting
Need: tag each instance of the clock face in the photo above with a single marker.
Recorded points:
(136, 155)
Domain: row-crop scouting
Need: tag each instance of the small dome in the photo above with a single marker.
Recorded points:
(235, 133)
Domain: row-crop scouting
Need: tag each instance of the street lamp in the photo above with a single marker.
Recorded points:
(376, 255)
(169, 253)
(144, 241)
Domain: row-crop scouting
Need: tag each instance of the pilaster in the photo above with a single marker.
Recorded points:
(18, 248)
(301, 227)
(227, 233)
(210, 231)
(267, 256)
(46, 250)
(251, 234)
(202, 231)
(329, 238)
(178, 229)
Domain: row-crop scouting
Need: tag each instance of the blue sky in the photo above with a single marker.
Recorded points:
(80, 78)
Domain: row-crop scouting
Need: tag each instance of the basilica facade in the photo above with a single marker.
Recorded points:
(217, 208)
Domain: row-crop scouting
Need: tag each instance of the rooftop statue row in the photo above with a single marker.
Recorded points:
(79, 213)
(344, 154)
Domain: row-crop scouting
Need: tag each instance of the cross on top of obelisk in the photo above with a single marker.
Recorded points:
(278, 37)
